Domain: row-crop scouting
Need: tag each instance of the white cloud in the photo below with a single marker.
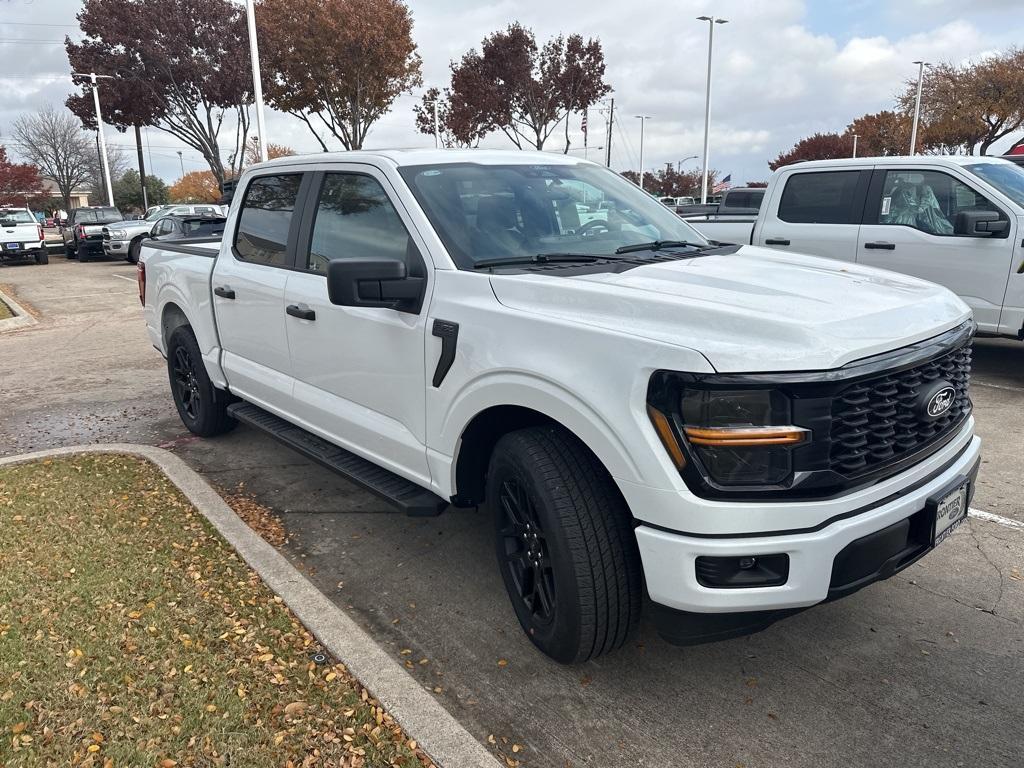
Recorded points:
(775, 78)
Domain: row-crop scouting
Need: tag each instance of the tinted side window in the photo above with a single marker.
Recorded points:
(355, 219)
(928, 201)
(266, 217)
(820, 198)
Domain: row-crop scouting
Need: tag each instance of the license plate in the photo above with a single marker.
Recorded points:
(13, 246)
(950, 513)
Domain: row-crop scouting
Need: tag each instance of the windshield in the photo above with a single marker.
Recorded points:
(10, 218)
(154, 213)
(1004, 176)
(97, 216)
(487, 212)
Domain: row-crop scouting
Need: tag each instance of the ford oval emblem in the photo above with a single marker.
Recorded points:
(940, 401)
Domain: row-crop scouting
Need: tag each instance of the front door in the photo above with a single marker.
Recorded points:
(359, 371)
(248, 292)
(910, 226)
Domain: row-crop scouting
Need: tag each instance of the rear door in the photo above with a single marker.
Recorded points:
(248, 291)
(910, 226)
(359, 371)
(815, 211)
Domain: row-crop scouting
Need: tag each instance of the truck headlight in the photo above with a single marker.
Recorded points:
(118, 234)
(733, 437)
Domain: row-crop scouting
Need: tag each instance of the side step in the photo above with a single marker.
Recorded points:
(407, 496)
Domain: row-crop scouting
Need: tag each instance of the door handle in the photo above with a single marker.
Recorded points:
(301, 312)
(224, 292)
(776, 241)
(881, 246)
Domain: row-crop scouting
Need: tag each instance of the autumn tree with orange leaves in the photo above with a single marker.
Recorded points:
(195, 187)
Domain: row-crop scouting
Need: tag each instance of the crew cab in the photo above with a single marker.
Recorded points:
(955, 220)
(737, 432)
(83, 234)
(21, 236)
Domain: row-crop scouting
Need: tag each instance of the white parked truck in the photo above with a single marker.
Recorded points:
(957, 221)
(21, 236)
(737, 432)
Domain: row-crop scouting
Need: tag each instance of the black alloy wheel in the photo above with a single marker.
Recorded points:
(525, 552)
(186, 388)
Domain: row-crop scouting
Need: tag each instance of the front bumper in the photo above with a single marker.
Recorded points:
(115, 247)
(669, 559)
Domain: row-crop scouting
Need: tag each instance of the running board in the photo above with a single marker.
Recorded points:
(407, 496)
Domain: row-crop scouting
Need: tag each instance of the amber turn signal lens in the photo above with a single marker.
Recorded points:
(744, 437)
(668, 438)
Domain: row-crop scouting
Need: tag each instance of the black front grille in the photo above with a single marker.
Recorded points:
(106, 234)
(879, 421)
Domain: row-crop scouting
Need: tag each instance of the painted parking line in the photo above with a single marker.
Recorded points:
(976, 383)
(998, 519)
(129, 279)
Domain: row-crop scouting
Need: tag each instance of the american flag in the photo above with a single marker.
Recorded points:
(722, 185)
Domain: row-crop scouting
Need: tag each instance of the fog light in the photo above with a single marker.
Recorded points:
(746, 571)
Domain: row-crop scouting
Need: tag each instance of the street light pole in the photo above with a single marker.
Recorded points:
(257, 81)
(93, 77)
(854, 145)
(643, 119)
(679, 163)
(711, 20)
(917, 104)
(182, 163)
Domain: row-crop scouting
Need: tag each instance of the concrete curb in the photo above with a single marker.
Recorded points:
(418, 712)
(21, 319)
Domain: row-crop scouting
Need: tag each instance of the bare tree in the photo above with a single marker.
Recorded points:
(56, 144)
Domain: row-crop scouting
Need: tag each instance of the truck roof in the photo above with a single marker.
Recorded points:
(938, 161)
(405, 157)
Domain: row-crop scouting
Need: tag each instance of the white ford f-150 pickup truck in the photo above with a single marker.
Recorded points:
(739, 433)
(957, 221)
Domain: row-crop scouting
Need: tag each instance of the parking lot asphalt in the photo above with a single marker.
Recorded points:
(921, 670)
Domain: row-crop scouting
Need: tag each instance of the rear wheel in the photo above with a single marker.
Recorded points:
(69, 252)
(565, 544)
(201, 406)
(42, 257)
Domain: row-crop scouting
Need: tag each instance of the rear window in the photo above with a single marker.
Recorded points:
(17, 217)
(97, 215)
(266, 218)
(203, 227)
(820, 198)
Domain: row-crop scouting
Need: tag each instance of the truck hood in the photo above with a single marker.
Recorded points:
(755, 310)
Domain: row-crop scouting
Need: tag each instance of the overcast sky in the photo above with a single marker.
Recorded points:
(783, 68)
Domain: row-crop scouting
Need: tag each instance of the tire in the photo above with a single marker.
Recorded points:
(83, 255)
(43, 257)
(133, 250)
(201, 406)
(565, 544)
(69, 252)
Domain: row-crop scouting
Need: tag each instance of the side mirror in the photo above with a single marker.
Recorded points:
(152, 231)
(374, 283)
(980, 224)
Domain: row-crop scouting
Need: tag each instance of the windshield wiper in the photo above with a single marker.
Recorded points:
(537, 258)
(657, 245)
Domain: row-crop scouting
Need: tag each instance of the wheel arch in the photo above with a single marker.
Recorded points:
(507, 409)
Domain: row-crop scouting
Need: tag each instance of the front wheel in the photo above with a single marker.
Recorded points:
(42, 257)
(201, 406)
(133, 250)
(565, 544)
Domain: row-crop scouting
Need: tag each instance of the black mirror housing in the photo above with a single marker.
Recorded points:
(381, 283)
(981, 224)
